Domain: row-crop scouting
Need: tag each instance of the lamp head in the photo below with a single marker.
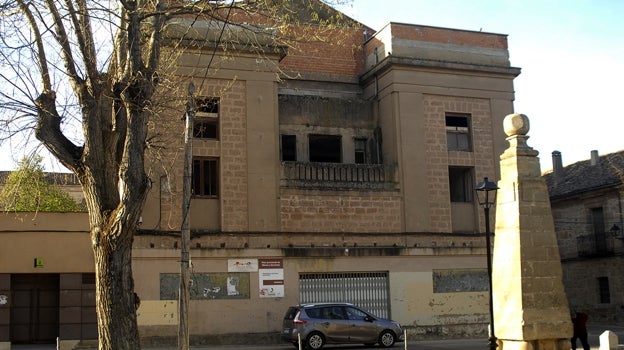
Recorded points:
(483, 190)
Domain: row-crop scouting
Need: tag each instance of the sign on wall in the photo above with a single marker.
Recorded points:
(271, 278)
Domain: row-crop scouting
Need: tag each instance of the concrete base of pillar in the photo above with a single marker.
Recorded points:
(539, 344)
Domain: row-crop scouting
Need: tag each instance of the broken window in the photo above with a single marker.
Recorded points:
(289, 148)
(460, 184)
(360, 151)
(206, 123)
(458, 133)
(205, 177)
(325, 148)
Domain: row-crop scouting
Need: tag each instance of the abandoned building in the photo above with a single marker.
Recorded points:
(346, 174)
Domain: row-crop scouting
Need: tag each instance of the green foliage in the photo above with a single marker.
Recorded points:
(26, 189)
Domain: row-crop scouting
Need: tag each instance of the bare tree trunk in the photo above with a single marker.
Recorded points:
(115, 297)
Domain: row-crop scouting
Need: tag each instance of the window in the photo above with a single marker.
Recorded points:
(206, 123)
(205, 177)
(597, 216)
(360, 151)
(289, 148)
(458, 133)
(460, 184)
(603, 290)
(325, 148)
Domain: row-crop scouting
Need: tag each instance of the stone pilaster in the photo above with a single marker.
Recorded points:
(530, 305)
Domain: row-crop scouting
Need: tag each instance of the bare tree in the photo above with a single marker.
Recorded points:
(97, 63)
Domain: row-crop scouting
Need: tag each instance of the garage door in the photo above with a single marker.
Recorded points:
(368, 290)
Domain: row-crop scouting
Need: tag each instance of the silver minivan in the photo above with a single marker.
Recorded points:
(337, 323)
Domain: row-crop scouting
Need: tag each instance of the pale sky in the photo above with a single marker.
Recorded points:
(571, 53)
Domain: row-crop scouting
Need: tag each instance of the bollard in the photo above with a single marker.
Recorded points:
(405, 339)
(608, 340)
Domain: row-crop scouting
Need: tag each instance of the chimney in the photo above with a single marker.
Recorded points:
(595, 158)
(557, 164)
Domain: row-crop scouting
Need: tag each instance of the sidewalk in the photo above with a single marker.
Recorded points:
(446, 344)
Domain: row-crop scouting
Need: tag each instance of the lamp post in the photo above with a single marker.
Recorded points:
(487, 200)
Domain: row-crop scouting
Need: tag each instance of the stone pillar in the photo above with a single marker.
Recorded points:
(530, 305)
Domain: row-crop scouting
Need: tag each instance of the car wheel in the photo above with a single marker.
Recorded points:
(315, 341)
(386, 339)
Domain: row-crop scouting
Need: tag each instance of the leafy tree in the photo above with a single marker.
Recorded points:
(83, 75)
(26, 189)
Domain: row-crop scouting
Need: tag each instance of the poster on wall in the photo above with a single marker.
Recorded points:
(205, 286)
(271, 275)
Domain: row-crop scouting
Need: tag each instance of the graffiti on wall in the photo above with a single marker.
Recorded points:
(206, 286)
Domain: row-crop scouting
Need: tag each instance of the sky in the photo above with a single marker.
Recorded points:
(571, 53)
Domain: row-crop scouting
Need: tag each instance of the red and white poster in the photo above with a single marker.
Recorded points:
(271, 275)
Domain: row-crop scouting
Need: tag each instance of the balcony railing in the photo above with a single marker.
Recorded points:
(595, 245)
(338, 176)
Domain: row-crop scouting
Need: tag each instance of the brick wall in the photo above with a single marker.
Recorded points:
(439, 158)
(231, 149)
(333, 52)
(449, 36)
(336, 213)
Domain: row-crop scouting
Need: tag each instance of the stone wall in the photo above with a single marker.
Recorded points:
(305, 212)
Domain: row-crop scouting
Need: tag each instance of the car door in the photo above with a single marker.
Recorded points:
(362, 327)
(335, 324)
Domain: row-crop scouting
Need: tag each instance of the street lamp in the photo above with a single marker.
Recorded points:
(487, 200)
(615, 231)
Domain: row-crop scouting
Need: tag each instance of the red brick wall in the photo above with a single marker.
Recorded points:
(449, 36)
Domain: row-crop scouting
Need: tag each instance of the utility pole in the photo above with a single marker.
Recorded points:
(185, 232)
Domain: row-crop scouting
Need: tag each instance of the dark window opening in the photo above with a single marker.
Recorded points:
(360, 151)
(289, 148)
(325, 148)
(603, 290)
(205, 177)
(599, 229)
(458, 133)
(460, 184)
(206, 123)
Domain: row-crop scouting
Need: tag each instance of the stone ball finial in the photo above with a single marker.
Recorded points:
(516, 124)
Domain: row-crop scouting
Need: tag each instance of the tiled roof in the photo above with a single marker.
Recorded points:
(583, 177)
(59, 179)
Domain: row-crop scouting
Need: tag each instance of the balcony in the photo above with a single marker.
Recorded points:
(595, 246)
(339, 176)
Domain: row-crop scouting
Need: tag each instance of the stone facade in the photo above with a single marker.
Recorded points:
(586, 199)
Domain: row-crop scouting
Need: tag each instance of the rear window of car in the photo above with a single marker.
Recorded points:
(291, 313)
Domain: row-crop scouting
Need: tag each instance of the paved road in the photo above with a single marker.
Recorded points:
(448, 344)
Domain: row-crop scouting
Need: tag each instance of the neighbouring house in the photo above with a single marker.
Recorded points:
(332, 172)
(586, 201)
